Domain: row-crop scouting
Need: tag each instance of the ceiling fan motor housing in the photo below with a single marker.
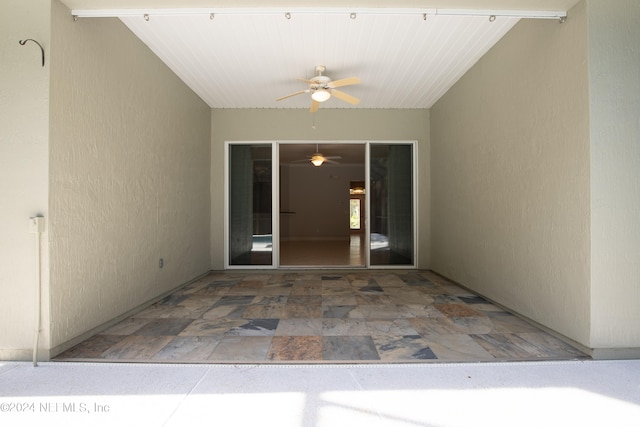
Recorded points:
(319, 82)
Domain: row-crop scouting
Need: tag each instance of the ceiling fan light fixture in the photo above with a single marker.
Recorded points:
(317, 160)
(321, 95)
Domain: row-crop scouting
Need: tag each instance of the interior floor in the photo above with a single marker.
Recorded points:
(347, 253)
(325, 317)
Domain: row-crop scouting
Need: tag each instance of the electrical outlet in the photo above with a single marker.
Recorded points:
(161, 263)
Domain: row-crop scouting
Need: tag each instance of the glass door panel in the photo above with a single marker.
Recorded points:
(391, 198)
(250, 218)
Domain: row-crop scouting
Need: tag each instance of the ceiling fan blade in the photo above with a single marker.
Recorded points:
(333, 157)
(305, 80)
(314, 106)
(331, 161)
(292, 94)
(344, 97)
(344, 82)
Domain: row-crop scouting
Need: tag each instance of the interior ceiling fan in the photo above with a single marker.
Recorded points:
(322, 88)
(317, 158)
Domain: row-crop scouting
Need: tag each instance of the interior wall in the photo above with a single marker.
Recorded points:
(129, 176)
(329, 125)
(510, 175)
(614, 64)
(24, 148)
(317, 199)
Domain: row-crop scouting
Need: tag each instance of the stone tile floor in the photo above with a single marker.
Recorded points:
(327, 317)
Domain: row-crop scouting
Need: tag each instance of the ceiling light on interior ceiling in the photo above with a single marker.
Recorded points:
(317, 160)
(287, 15)
(353, 15)
(320, 95)
(492, 18)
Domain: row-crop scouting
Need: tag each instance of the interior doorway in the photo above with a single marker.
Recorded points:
(315, 205)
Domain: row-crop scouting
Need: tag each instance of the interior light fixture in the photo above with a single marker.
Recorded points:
(317, 161)
(321, 95)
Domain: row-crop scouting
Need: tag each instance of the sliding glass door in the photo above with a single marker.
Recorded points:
(249, 205)
(391, 205)
(254, 204)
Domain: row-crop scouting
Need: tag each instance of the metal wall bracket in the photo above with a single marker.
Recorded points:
(23, 42)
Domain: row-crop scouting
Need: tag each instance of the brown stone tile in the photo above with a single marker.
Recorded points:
(292, 311)
(307, 348)
(456, 310)
(274, 311)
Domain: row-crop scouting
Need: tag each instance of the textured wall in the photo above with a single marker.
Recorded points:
(510, 175)
(129, 175)
(24, 133)
(614, 65)
(331, 125)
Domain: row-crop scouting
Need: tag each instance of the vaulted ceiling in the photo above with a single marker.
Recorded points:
(244, 54)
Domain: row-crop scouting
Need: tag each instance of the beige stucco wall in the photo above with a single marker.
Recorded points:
(614, 65)
(24, 128)
(129, 176)
(510, 175)
(330, 125)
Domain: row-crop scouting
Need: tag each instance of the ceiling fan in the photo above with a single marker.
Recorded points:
(322, 88)
(317, 158)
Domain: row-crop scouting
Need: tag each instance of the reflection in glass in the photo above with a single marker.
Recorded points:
(250, 214)
(391, 198)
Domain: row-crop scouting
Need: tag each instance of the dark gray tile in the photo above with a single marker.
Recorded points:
(164, 327)
(349, 348)
(255, 328)
(235, 300)
(472, 299)
(372, 288)
(399, 348)
(188, 349)
(337, 311)
(242, 349)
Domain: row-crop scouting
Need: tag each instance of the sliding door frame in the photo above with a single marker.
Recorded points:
(414, 195)
(275, 205)
(275, 211)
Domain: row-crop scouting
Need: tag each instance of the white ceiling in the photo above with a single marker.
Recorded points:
(248, 57)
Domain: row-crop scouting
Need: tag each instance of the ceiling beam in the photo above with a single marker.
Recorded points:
(416, 4)
(113, 13)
